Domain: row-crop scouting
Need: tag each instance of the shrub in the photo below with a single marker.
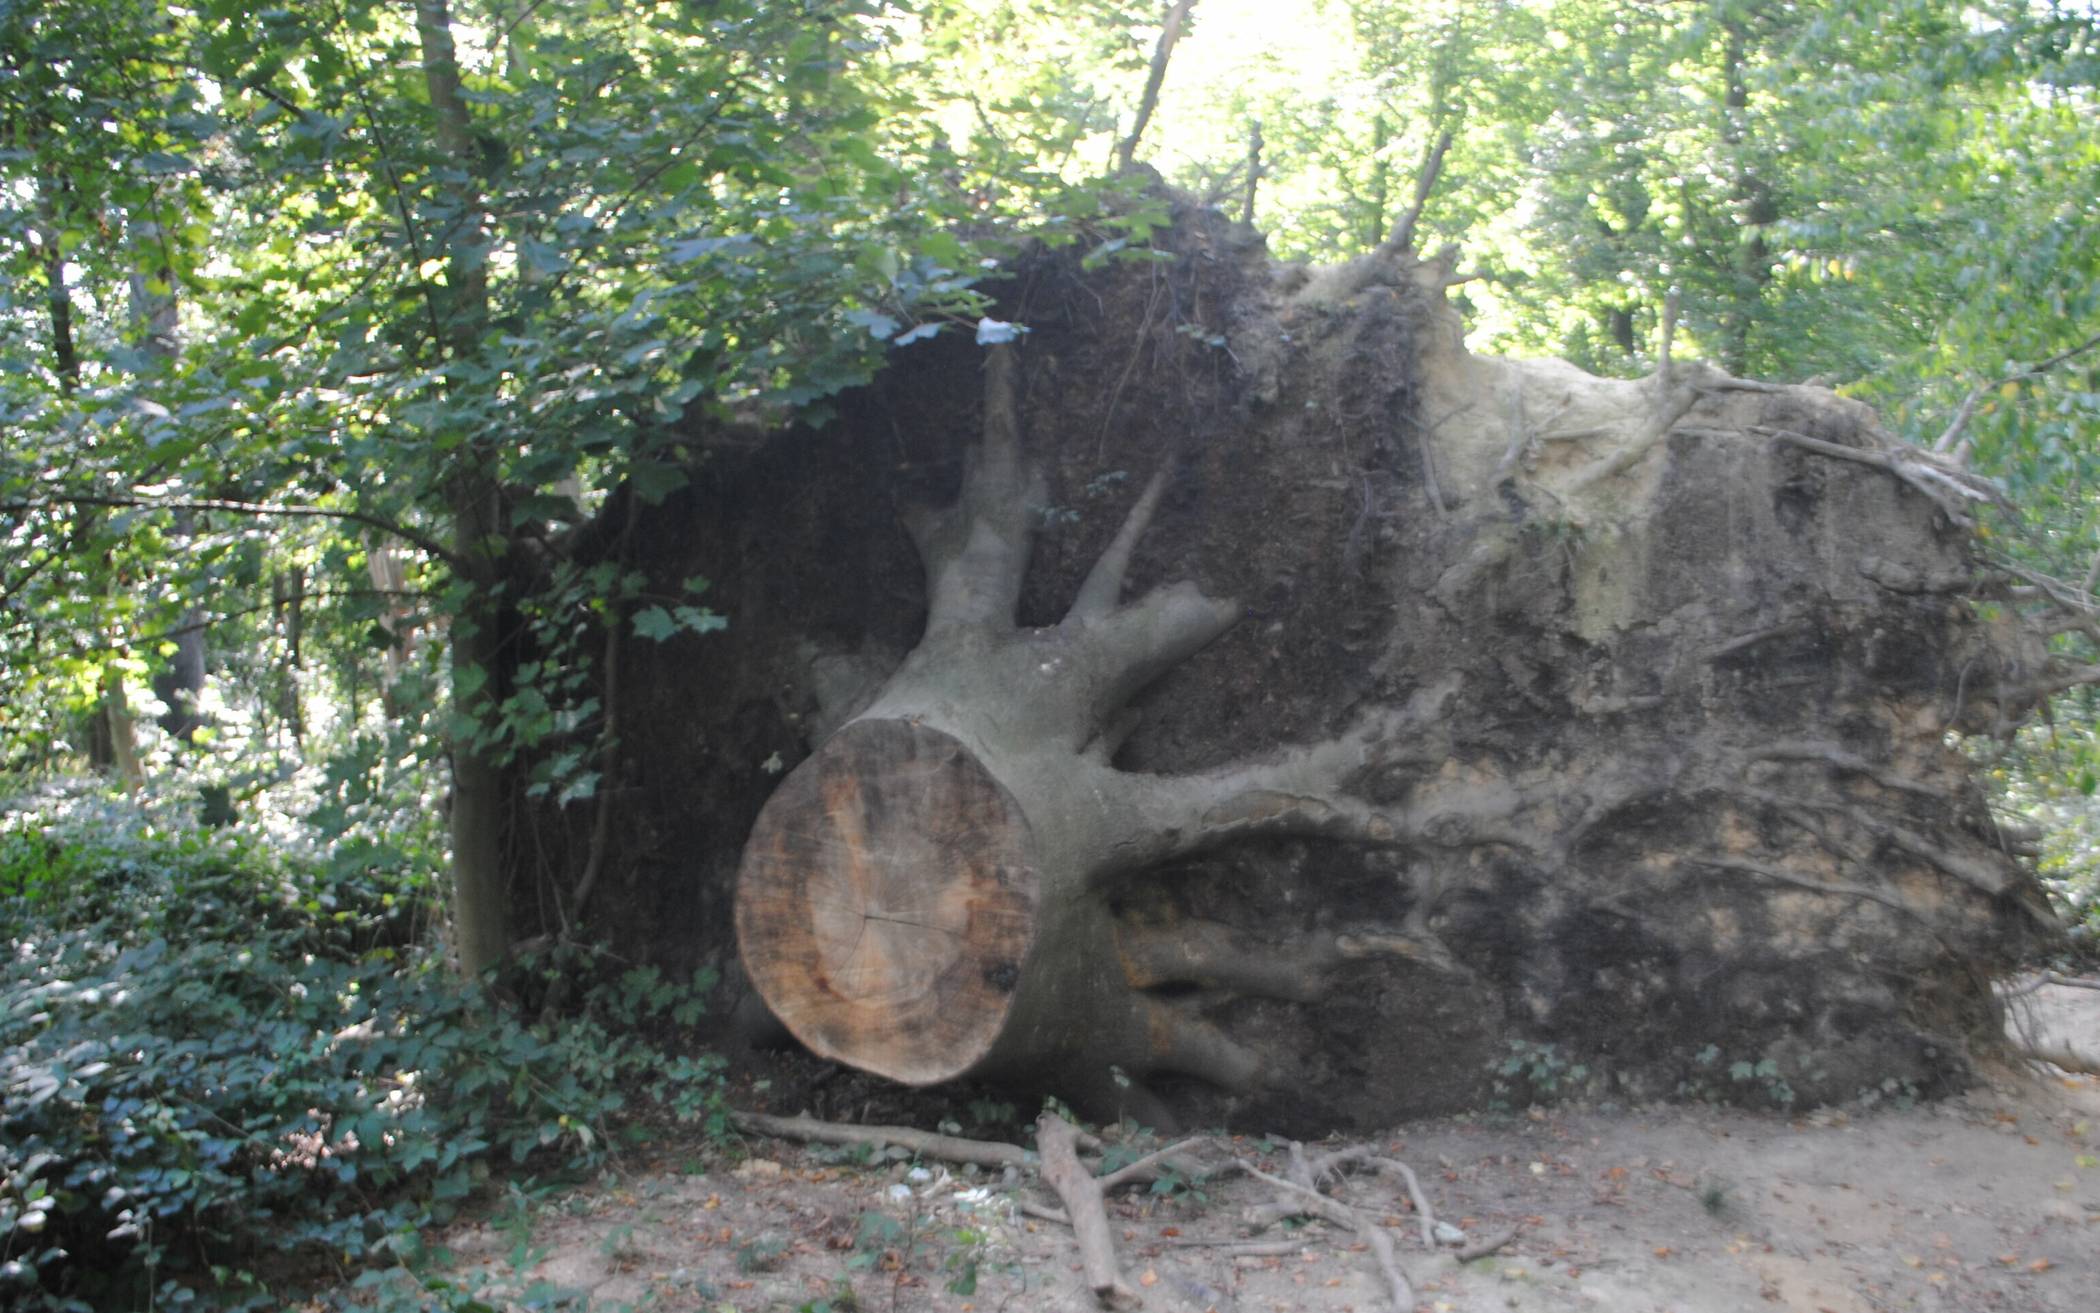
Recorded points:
(217, 1067)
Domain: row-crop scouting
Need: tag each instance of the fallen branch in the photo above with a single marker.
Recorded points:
(1334, 1162)
(1243, 1248)
(1058, 1144)
(947, 1148)
(1311, 1203)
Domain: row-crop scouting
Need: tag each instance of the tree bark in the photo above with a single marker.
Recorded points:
(156, 323)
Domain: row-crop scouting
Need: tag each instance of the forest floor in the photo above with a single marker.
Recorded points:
(1990, 1201)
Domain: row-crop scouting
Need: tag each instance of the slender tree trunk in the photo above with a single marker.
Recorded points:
(480, 886)
(156, 321)
(1254, 144)
(65, 358)
(123, 737)
(289, 594)
(1170, 32)
(1375, 222)
(112, 740)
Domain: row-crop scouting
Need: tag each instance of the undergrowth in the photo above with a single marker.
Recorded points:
(225, 1073)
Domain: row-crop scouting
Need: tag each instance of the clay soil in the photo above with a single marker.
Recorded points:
(1987, 1201)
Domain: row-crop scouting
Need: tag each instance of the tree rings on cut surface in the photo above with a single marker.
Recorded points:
(887, 901)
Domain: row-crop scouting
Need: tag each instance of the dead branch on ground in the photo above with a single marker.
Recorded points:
(947, 1148)
(1082, 1195)
(1305, 1201)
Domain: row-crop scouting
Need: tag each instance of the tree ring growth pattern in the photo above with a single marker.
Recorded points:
(890, 890)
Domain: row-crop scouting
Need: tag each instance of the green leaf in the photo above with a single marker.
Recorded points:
(654, 622)
(653, 481)
(880, 326)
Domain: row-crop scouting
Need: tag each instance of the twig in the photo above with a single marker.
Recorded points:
(1055, 1139)
(1144, 1168)
(1169, 33)
(1254, 144)
(1242, 1248)
(947, 1148)
(1669, 334)
(1334, 1162)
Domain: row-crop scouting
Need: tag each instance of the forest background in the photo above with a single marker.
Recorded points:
(328, 328)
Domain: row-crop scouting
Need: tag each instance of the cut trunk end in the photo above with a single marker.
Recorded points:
(887, 902)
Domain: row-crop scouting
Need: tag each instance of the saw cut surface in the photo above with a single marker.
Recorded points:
(887, 900)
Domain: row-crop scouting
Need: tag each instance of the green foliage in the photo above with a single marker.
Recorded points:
(1747, 1082)
(1536, 1073)
(212, 1054)
(2049, 777)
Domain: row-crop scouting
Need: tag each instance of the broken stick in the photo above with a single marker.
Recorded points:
(1058, 1143)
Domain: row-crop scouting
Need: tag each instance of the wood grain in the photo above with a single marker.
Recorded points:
(886, 902)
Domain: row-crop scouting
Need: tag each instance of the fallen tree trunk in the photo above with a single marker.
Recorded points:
(928, 897)
(1616, 717)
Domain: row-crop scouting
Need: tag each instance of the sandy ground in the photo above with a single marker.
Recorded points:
(1988, 1202)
